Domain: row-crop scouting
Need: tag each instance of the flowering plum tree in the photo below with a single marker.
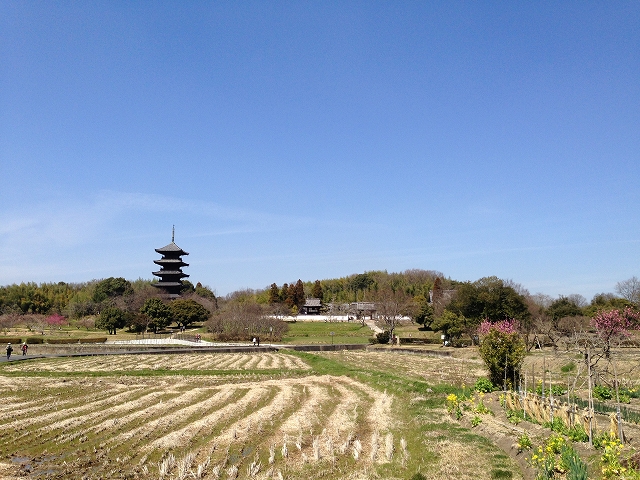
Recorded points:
(502, 349)
(614, 325)
(55, 320)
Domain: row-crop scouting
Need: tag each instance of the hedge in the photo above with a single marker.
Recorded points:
(34, 340)
(94, 340)
(62, 340)
(419, 340)
(11, 339)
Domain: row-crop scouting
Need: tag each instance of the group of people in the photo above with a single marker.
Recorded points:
(24, 347)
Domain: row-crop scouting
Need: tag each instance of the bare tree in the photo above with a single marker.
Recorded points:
(629, 290)
(393, 307)
(578, 300)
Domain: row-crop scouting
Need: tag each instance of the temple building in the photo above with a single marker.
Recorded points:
(170, 272)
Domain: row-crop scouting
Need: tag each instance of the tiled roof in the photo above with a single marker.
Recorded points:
(312, 302)
(171, 248)
(167, 284)
(162, 273)
(172, 262)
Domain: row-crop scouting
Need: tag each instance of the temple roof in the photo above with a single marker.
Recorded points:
(167, 284)
(171, 248)
(172, 262)
(168, 273)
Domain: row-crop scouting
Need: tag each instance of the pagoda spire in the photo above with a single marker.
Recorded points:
(173, 234)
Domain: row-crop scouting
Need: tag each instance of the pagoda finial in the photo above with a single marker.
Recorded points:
(173, 234)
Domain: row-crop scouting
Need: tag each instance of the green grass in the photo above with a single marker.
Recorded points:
(304, 333)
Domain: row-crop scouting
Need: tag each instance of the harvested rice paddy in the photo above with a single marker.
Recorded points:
(254, 415)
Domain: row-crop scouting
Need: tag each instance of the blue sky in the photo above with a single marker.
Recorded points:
(314, 140)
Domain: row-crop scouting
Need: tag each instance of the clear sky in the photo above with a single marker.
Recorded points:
(314, 140)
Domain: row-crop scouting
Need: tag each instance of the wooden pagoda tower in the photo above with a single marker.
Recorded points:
(170, 272)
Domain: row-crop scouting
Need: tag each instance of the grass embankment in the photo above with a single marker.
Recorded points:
(311, 333)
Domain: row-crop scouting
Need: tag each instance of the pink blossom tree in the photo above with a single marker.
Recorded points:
(55, 320)
(614, 325)
(508, 325)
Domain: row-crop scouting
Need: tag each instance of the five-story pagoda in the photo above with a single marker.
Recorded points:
(171, 264)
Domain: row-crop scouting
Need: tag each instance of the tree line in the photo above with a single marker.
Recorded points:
(434, 301)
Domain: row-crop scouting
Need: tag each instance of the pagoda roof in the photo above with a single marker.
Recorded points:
(171, 248)
(167, 273)
(167, 284)
(173, 262)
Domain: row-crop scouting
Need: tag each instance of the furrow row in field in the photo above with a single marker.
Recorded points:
(150, 422)
(98, 412)
(312, 416)
(26, 401)
(142, 420)
(230, 416)
(58, 411)
(213, 361)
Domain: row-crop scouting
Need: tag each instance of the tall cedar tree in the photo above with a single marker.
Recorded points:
(274, 294)
(436, 294)
(298, 295)
(317, 290)
(285, 296)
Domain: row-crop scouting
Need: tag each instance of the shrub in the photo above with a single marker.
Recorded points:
(383, 337)
(94, 340)
(12, 340)
(503, 354)
(484, 385)
(62, 340)
(34, 340)
(569, 367)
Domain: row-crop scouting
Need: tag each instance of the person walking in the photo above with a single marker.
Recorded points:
(25, 347)
(9, 350)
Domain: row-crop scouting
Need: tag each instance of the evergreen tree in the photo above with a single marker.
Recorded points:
(285, 295)
(298, 294)
(112, 287)
(110, 319)
(274, 294)
(317, 290)
(159, 313)
(186, 312)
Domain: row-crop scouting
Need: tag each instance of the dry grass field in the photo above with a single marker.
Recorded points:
(223, 416)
